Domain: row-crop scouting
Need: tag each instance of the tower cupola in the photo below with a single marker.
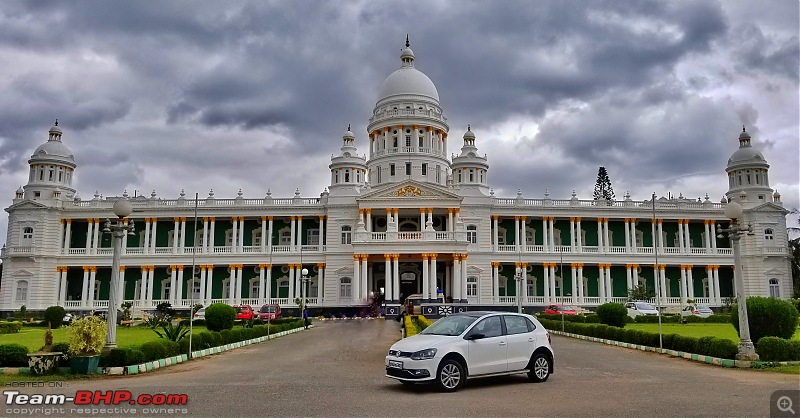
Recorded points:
(470, 171)
(348, 169)
(52, 167)
(748, 172)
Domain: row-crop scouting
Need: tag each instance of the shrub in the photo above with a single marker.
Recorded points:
(199, 322)
(10, 327)
(227, 336)
(135, 356)
(722, 348)
(768, 317)
(54, 315)
(215, 339)
(173, 332)
(703, 344)
(794, 350)
(61, 347)
(593, 318)
(612, 314)
(117, 357)
(13, 355)
(220, 316)
(237, 335)
(200, 341)
(685, 344)
(772, 349)
(171, 348)
(87, 336)
(796, 303)
(152, 351)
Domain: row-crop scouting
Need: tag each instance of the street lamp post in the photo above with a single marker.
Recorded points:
(303, 294)
(735, 232)
(119, 229)
(518, 278)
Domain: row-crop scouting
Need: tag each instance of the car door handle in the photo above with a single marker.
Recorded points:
(530, 340)
(502, 343)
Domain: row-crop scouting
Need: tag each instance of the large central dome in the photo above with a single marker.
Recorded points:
(408, 80)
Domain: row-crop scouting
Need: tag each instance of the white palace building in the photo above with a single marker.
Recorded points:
(406, 218)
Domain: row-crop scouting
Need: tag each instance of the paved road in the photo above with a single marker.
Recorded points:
(336, 369)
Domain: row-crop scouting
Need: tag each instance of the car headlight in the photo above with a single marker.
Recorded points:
(425, 354)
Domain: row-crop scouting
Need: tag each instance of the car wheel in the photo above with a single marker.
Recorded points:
(539, 368)
(450, 376)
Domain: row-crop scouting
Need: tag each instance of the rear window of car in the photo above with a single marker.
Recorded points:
(516, 324)
(267, 309)
(644, 305)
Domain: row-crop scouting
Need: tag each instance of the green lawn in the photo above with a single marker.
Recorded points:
(33, 337)
(696, 330)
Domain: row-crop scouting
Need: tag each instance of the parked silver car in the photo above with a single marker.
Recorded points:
(702, 311)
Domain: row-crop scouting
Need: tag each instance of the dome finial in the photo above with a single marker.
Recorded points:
(408, 44)
(56, 122)
(743, 130)
(348, 126)
(468, 128)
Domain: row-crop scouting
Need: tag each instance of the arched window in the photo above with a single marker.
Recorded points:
(347, 234)
(345, 287)
(774, 288)
(472, 234)
(22, 291)
(472, 286)
(768, 234)
(27, 236)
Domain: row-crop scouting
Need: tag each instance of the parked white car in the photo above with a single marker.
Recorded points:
(702, 311)
(472, 344)
(200, 314)
(640, 308)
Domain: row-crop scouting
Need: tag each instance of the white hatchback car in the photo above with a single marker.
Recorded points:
(640, 308)
(472, 344)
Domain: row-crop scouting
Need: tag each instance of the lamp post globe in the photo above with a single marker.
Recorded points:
(122, 208)
(733, 210)
(304, 272)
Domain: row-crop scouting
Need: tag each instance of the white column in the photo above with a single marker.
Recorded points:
(601, 282)
(146, 244)
(494, 235)
(609, 285)
(396, 276)
(388, 292)
(688, 240)
(707, 240)
(580, 283)
(212, 232)
(150, 280)
(575, 292)
(681, 244)
(717, 296)
(627, 234)
(299, 234)
(238, 296)
(369, 221)
(172, 284)
(205, 236)
(524, 285)
(321, 283)
(153, 235)
(683, 284)
(495, 282)
(552, 281)
(269, 234)
(62, 228)
(572, 234)
(234, 234)
(92, 278)
(322, 229)
(175, 233)
(600, 244)
(522, 235)
(546, 282)
(421, 219)
(62, 289)
(663, 274)
(633, 235)
(356, 292)
(660, 237)
(606, 236)
(545, 240)
(629, 276)
(143, 285)
(203, 292)
(364, 278)
(433, 274)
(579, 237)
(68, 237)
(268, 284)
(89, 236)
(713, 228)
(292, 236)
(462, 286)
(179, 292)
(240, 235)
(120, 285)
(710, 282)
(552, 233)
(456, 276)
(231, 284)
(426, 285)
(689, 283)
(263, 239)
(450, 226)
(85, 287)
(96, 236)
(182, 241)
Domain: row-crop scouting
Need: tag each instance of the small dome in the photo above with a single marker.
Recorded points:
(469, 134)
(349, 134)
(55, 129)
(53, 149)
(408, 80)
(744, 134)
(776, 194)
(407, 53)
(20, 191)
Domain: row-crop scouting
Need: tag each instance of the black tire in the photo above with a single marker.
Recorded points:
(450, 376)
(539, 367)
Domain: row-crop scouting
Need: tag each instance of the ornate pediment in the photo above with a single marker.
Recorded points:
(410, 189)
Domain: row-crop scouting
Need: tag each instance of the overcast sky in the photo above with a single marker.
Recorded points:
(217, 95)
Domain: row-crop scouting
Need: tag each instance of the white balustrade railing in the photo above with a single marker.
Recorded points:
(617, 250)
(77, 251)
(590, 249)
(590, 300)
(725, 251)
(644, 250)
(699, 251)
(281, 248)
(443, 236)
(72, 303)
(409, 235)
(223, 250)
(507, 248)
(670, 250)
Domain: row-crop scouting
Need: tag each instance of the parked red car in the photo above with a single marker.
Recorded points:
(561, 309)
(269, 312)
(244, 312)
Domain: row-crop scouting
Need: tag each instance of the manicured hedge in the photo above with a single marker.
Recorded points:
(768, 317)
(13, 355)
(54, 315)
(778, 349)
(614, 314)
(220, 316)
(710, 346)
(10, 327)
(153, 351)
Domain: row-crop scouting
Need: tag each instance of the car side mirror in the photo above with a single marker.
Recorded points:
(475, 336)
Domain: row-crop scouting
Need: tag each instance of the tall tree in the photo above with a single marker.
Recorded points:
(603, 189)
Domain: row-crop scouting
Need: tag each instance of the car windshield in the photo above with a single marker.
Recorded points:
(645, 306)
(704, 309)
(267, 309)
(565, 308)
(450, 325)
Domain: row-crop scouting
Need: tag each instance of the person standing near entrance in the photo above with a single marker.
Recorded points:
(305, 317)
